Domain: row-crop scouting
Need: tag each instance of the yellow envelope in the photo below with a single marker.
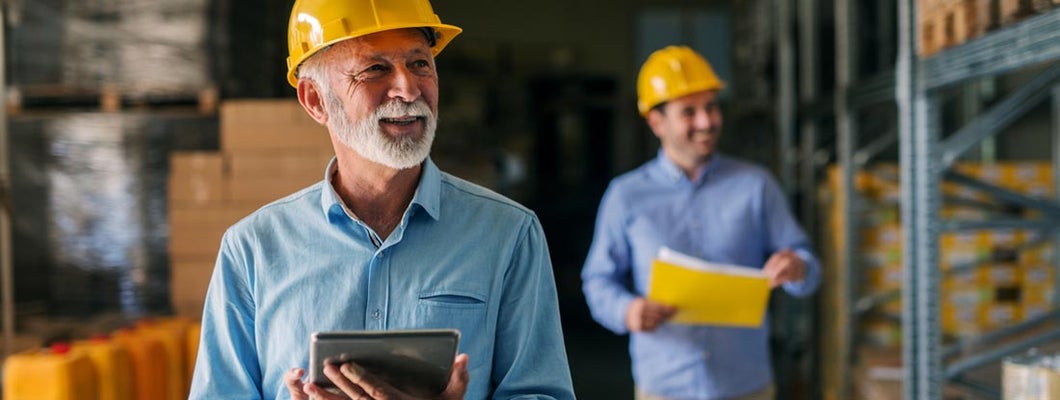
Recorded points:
(708, 294)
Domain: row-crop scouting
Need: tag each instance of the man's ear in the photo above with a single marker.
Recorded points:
(655, 119)
(312, 101)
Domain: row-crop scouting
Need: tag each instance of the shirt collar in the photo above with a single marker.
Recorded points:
(427, 196)
(672, 173)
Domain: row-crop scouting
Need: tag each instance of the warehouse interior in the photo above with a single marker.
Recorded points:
(917, 141)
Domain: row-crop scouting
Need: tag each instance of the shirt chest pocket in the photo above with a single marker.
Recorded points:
(454, 309)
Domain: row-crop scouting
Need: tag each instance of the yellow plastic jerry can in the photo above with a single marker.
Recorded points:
(54, 373)
(150, 363)
(113, 366)
(172, 332)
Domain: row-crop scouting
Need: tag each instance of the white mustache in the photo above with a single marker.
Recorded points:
(397, 109)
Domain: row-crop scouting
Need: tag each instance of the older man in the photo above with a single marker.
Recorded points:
(385, 240)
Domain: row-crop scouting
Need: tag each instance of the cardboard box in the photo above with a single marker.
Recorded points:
(273, 124)
(211, 216)
(878, 374)
(884, 277)
(196, 242)
(1037, 255)
(195, 177)
(196, 163)
(1030, 310)
(303, 165)
(1037, 275)
(879, 332)
(1030, 377)
(948, 23)
(952, 255)
(965, 240)
(264, 190)
(882, 237)
(997, 315)
(1014, 10)
(189, 279)
(191, 190)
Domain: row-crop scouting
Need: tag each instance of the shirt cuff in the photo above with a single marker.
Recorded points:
(808, 282)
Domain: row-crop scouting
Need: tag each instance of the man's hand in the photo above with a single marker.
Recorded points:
(644, 315)
(357, 384)
(784, 266)
(293, 380)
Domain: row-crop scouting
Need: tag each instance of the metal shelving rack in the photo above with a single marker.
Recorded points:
(856, 145)
(799, 166)
(7, 285)
(915, 86)
(924, 161)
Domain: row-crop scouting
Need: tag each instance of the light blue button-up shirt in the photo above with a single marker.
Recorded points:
(462, 257)
(734, 214)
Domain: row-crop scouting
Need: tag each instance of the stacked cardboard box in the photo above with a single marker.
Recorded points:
(1001, 278)
(947, 23)
(269, 148)
(1012, 282)
(1031, 376)
(1015, 10)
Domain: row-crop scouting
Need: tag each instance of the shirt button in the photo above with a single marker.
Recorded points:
(376, 314)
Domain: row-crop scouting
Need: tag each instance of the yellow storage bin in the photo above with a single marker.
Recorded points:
(173, 334)
(149, 363)
(192, 343)
(113, 367)
(56, 373)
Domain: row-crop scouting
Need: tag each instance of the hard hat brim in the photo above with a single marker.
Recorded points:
(446, 34)
(645, 108)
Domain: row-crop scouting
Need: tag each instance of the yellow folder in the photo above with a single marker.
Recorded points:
(706, 293)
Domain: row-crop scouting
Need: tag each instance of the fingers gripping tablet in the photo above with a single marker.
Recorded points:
(416, 362)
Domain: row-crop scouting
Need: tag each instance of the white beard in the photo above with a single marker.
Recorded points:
(368, 139)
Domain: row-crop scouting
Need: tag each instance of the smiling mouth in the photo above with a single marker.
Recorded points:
(703, 137)
(402, 120)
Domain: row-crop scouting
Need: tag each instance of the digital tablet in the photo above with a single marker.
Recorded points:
(417, 362)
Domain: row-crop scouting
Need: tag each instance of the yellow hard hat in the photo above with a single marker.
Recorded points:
(672, 72)
(316, 24)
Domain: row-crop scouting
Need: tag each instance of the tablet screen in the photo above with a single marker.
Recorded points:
(417, 362)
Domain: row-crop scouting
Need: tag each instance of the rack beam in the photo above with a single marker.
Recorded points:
(1048, 207)
(999, 334)
(979, 389)
(1001, 115)
(874, 90)
(874, 148)
(996, 354)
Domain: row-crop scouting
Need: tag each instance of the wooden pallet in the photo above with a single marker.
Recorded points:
(107, 98)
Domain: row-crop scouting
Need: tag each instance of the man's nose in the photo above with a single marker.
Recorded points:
(405, 85)
(704, 120)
